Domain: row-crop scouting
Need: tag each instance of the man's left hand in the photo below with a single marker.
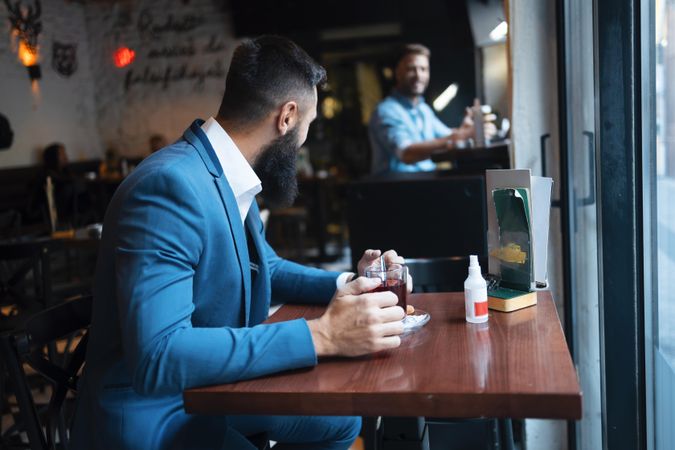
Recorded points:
(371, 257)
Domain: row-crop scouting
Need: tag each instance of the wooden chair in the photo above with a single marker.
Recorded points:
(49, 428)
(25, 280)
(27, 346)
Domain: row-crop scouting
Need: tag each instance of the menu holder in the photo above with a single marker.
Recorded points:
(518, 211)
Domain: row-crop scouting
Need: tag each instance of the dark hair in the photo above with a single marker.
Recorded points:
(50, 156)
(412, 49)
(266, 72)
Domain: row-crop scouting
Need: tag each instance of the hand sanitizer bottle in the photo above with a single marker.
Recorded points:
(475, 294)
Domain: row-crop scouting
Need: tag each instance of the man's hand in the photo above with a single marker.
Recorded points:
(371, 257)
(466, 130)
(358, 322)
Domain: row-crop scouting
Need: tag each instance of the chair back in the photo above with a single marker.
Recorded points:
(423, 215)
(59, 369)
(444, 274)
(25, 276)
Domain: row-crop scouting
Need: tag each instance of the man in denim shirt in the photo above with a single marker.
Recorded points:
(403, 129)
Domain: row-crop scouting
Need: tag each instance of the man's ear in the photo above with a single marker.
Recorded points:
(288, 117)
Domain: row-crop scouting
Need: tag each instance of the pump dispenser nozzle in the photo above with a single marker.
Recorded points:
(474, 267)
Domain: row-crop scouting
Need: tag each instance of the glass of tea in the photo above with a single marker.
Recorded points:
(392, 278)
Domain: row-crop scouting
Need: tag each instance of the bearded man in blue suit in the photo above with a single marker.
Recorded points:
(185, 277)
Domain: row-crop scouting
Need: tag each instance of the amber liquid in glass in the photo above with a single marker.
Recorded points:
(397, 287)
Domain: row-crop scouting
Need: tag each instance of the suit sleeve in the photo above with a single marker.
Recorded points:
(295, 283)
(159, 243)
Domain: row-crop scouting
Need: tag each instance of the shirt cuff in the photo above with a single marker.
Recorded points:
(401, 146)
(343, 279)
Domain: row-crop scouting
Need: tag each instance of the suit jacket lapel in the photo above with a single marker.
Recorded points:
(195, 135)
(262, 288)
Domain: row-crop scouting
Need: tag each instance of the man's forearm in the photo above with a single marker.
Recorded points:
(423, 150)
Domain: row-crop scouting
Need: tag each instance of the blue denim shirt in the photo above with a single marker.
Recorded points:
(395, 124)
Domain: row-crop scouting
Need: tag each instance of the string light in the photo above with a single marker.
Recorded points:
(27, 55)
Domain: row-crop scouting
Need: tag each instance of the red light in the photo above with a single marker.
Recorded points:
(123, 56)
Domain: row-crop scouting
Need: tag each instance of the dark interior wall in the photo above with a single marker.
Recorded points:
(442, 25)
(253, 17)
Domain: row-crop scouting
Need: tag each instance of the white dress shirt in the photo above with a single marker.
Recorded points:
(244, 182)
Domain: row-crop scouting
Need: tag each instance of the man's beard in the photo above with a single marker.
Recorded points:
(410, 90)
(276, 169)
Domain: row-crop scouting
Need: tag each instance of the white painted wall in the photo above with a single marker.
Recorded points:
(535, 108)
(129, 115)
(64, 110)
(496, 78)
(94, 109)
(533, 61)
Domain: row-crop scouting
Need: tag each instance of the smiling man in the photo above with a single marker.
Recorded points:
(185, 277)
(403, 130)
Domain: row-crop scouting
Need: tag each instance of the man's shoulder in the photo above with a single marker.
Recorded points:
(424, 107)
(390, 101)
(176, 163)
(390, 107)
(170, 157)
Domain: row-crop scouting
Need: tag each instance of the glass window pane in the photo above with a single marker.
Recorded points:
(665, 171)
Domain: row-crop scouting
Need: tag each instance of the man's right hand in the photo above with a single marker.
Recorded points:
(358, 322)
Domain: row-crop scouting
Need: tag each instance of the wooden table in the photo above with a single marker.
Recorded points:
(517, 366)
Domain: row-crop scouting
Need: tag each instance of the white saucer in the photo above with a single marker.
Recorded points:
(415, 321)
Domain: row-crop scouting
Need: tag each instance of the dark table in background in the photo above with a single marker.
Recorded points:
(517, 366)
(40, 271)
(476, 159)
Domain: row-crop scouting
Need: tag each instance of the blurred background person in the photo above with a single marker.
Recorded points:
(403, 130)
(156, 142)
(70, 193)
(110, 166)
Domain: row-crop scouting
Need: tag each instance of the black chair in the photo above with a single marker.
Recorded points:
(425, 215)
(61, 370)
(25, 280)
(447, 274)
(38, 272)
(27, 346)
(442, 274)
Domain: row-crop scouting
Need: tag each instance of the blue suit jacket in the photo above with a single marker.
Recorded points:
(175, 306)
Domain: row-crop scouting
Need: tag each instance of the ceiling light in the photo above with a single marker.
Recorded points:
(446, 96)
(500, 31)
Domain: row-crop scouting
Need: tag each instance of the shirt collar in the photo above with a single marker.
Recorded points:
(243, 180)
(405, 101)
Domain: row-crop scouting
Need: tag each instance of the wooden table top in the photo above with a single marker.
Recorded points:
(517, 366)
